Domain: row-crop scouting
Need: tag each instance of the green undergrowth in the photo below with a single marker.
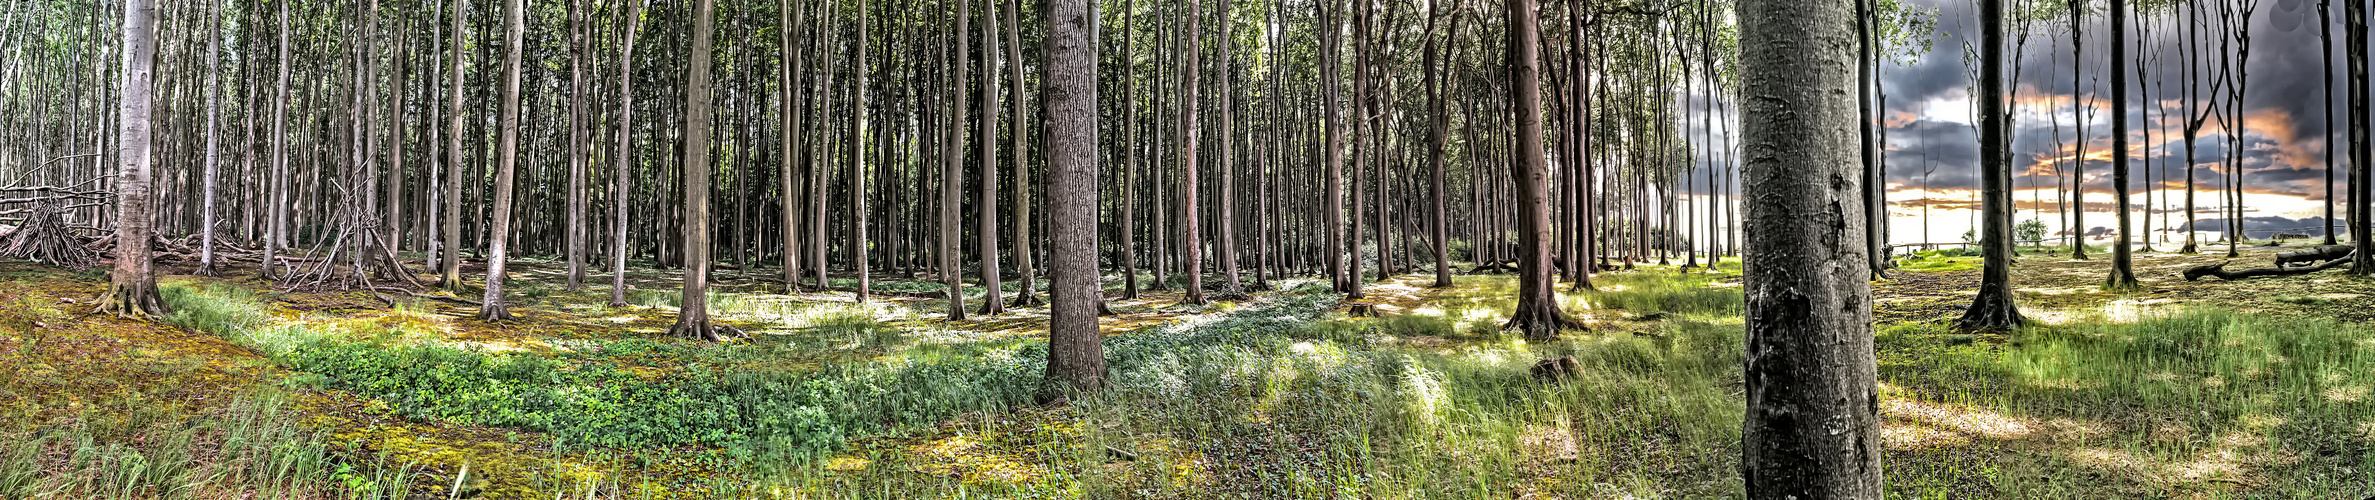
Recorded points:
(1288, 400)
(2199, 401)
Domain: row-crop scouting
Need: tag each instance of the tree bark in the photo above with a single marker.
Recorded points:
(1537, 313)
(2123, 271)
(986, 212)
(1812, 428)
(1076, 357)
(491, 306)
(692, 319)
(1191, 245)
(1994, 308)
(450, 266)
(624, 176)
(1023, 265)
(132, 284)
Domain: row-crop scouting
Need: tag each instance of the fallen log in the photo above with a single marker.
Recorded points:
(2219, 270)
(2312, 254)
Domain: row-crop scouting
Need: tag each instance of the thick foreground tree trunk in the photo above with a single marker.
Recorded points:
(1812, 428)
(1075, 352)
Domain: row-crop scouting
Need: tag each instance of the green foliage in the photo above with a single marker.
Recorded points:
(2029, 231)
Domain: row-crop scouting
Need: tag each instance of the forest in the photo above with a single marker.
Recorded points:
(638, 249)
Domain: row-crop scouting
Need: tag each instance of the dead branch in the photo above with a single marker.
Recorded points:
(2219, 270)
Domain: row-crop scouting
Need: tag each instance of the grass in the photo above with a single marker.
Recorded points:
(1280, 396)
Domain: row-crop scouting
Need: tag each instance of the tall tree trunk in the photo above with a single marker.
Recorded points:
(1875, 212)
(1438, 124)
(790, 63)
(2354, 19)
(578, 153)
(132, 284)
(692, 319)
(507, 165)
(1019, 147)
(214, 104)
(1075, 352)
(859, 65)
(1537, 313)
(624, 176)
(1812, 428)
(2077, 8)
(1191, 242)
(952, 172)
(1129, 218)
(1231, 287)
(2123, 272)
(986, 212)
(276, 236)
(450, 272)
(1331, 39)
(2325, 44)
(1993, 308)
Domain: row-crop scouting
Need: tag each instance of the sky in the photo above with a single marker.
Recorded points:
(1933, 152)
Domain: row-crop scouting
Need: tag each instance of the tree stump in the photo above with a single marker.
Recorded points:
(1361, 310)
(1557, 368)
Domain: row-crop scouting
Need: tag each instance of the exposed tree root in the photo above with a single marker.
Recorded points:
(1542, 323)
(138, 301)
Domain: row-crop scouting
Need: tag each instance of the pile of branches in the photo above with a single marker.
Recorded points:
(46, 238)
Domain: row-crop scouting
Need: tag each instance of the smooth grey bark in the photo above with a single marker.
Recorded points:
(450, 265)
(952, 171)
(1812, 428)
(623, 176)
(578, 152)
(214, 104)
(132, 283)
(490, 307)
(692, 319)
(986, 217)
(1019, 134)
(1076, 356)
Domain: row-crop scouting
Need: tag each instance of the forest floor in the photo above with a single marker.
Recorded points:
(2180, 389)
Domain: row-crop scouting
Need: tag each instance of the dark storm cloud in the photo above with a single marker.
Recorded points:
(2284, 104)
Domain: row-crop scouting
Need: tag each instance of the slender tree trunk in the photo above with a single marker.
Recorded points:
(2325, 45)
(214, 106)
(2354, 19)
(1537, 313)
(624, 176)
(857, 153)
(2123, 273)
(986, 212)
(132, 284)
(692, 319)
(1331, 39)
(1438, 124)
(952, 171)
(450, 272)
(1994, 308)
(1812, 428)
(576, 252)
(1019, 147)
(491, 306)
(1076, 357)
(1190, 237)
